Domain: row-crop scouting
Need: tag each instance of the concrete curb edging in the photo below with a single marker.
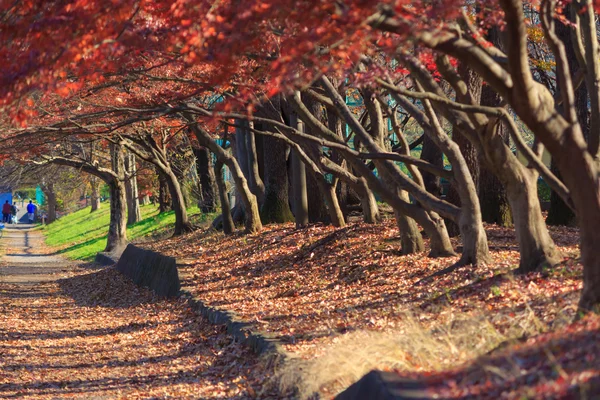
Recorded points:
(383, 385)
(106, 259)
(261, 343)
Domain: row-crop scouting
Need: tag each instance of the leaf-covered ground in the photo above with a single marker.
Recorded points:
(96, 335)
(314, 286)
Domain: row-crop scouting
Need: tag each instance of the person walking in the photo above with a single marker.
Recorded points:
(13, 213)
(5, 211)
(31, 211)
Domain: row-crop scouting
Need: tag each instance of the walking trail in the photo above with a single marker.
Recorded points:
(70, 330)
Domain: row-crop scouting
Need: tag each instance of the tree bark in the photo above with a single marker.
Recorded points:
(182, 222)
(433, 155)
(560, 213)
(300, 198)
(208, 202)
(275, 208)
(131, 188)
(254, 180)
(117, 228)
(253, 223)
(226, 218)
(164, 198)
(95, 195)
(51, 199)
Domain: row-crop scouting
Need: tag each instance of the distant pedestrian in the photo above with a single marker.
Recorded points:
(5, 211)
(13, 213)
(31, 211)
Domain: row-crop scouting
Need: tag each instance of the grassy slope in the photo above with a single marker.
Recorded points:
(82, 234)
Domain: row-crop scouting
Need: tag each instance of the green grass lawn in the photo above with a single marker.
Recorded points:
(82, 234)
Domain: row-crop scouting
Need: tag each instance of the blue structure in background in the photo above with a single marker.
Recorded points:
(39, 196)
(6, 194)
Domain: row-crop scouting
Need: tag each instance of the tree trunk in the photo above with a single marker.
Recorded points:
(208, 202)
(51, 199)
(254, 180)
(117, 228)
(370, 209)
(333, 207)
(300, 198)
(275, 208)
(411, 239)
(559, 213)
(182, 222)
(164, 199)
(433, 155)
(495, 208)
(317, 208)
(253, 223)
(95, 196)
(133, 205)
(226, 218)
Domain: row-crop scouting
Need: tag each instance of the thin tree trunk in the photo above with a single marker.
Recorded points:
(333, 207)
(182, 222)
(133, 205)
(226, 218)
(254, 180)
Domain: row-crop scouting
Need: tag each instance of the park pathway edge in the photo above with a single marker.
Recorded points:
(261, 343)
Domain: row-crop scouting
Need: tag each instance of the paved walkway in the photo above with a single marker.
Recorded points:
(23, 260)
(95, 335)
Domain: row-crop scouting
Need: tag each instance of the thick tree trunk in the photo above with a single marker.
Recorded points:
(275, 208)
(559, 213)
(51, 199)
(95, 195)
(495, 208)
(117, 229)
(164, 199)
(535, 245)
(206, 175)
(226, 218)
(411, 239)
(433, 155)
(133, 205)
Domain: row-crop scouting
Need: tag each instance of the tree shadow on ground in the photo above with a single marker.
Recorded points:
(104, 289)
(561, 364)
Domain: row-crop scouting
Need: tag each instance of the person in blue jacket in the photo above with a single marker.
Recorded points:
(31, 212)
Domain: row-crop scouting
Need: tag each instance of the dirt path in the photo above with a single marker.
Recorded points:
(69, 331)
